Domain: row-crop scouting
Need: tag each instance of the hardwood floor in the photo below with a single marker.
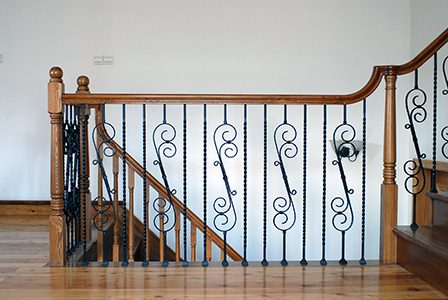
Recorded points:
(24, 274)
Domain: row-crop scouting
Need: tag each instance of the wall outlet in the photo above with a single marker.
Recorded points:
(1, 57)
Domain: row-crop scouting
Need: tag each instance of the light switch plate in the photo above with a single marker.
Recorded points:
(108, 59)
(98, 60)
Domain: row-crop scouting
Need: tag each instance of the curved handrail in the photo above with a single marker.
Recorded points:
(155, 184)
(364, 92)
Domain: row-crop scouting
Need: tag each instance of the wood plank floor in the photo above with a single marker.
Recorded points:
(24, 274)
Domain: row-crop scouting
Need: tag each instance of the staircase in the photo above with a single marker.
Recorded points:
(424, 251)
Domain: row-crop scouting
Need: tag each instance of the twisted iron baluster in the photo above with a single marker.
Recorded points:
(343, 137)
(145, 193)
(185, 262)
(244, 262)
(323, 261)
(101, 204)
(434, 130)
(84, 219)
(305, 122)
(125, 246)
(205, 262)
(79, 176)
(223, 138)
(285, 134)
(417, 113)
(264, 262)
(362, 260)
(163, 136)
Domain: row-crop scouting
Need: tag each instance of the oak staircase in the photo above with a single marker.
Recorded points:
(424, 251)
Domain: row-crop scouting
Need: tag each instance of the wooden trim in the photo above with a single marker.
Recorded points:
(22, 208)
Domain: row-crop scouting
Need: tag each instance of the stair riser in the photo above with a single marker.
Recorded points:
(427, 265)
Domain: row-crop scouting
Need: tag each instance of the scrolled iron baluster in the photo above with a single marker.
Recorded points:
(102, 205)
(444, 132)
(416, 113)
(225, 219)
(285, 216)
(163, 137)
(342, 221)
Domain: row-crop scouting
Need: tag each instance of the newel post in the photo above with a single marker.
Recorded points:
(57, 226)
(389, 189)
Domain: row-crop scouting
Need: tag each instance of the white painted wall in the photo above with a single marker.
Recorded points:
(196, 46)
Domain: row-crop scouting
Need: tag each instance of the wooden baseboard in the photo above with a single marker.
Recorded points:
(27, 208)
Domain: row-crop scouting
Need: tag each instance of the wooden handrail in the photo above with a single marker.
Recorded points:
(155, 184)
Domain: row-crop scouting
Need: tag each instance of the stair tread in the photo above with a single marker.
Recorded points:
(440, 195)
(433, 239)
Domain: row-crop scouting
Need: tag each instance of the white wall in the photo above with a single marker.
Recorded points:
(194, 47)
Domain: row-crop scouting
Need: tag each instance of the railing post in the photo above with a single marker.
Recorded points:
(57, 226)
(389, 189)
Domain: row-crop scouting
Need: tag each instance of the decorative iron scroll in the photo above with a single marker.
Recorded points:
(415, 101)
(71, 139)
(444, 132)
(103, 205)
(165, 219)
(225, 219)
(285, 216)
(343, 137)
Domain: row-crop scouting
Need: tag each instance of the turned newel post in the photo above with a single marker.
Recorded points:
(57, 226)
(389, 189)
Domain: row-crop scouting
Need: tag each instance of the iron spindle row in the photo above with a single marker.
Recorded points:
(444, 131)
(225, 219)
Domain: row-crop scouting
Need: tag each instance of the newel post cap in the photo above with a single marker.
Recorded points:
(83, 83)
(56, 74)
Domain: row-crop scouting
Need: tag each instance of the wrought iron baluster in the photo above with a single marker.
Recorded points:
(145, 193)
(205, 262)
(343, 137)
(416, 113)
(264, 262)
(102, 205)
(224, 140)
(84, 219)
(305, 140)
(66, 172)
(244, 262)
(285, 217)
(323, 261)
(362, 260)
(434, 130)
(163, 137)
(185, 262)
(444, 131)
(125, 245)
(78, 176)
